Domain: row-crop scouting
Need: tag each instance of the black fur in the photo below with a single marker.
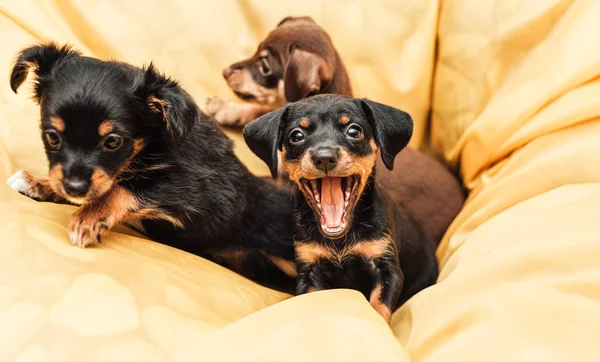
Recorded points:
(410, 264)
(187, 168)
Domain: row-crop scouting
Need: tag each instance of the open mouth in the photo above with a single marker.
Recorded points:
(244, 96)
(332, 199)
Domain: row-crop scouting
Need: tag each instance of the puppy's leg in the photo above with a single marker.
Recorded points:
(36, 188)
(388, 286)
(93, 220)
(230, 113)
(309, 278)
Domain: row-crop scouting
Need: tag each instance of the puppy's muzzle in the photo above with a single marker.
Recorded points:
(76, 187)
(325, 158)
(76, 180)
(227, 72)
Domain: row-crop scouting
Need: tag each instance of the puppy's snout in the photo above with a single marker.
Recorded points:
(227, 72)
(76, 187)
(325, 159)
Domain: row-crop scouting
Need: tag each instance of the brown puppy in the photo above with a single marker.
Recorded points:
(273, 76)
(295, 61)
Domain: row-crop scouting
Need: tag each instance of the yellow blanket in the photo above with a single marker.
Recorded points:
(514, 89)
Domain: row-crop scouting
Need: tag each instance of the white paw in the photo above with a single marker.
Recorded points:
(18, 182)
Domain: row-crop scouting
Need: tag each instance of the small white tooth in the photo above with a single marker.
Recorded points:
(333, 230)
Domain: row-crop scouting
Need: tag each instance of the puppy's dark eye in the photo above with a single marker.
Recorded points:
(53, 138)
(264, 67)
(354, 131)
(112, 142)
(296, 136)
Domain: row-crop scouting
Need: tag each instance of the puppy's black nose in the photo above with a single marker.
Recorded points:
(227, 72)
(325, 159)
(76, 187)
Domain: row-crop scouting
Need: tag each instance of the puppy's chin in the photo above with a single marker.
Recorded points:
(91, 196)
(77, 200)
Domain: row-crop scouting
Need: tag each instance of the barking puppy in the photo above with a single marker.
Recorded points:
(347, 234)
(295, 61)
(130, 145)
(299, 56)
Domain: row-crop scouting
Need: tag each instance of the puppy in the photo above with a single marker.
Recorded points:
(347, 234)
(130, 145)
(295, 61)
(298, 59)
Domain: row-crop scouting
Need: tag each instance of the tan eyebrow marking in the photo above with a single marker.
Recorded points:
(105, 128)
(304, 122)
(344, 120)
(58, 123)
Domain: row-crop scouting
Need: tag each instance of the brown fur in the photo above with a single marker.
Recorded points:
(382, 309)
(57, 123)
(286, 266)
(304, 123)
(93, 219)
(308, 63)
(344, 120)
(55, 179)
(105, 128)
(310, 252)
(101, 182)
(372, 249)
(160, 106)
(425, 187)
(233, 258)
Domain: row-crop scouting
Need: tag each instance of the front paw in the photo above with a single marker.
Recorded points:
(24, 183)
(87, 227)
(223, 112)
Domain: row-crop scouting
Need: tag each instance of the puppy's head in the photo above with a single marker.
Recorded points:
(296, 60)
(97, 116)
(329, 145)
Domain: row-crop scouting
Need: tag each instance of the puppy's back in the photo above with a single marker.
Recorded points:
(416, 253)
(425, 188)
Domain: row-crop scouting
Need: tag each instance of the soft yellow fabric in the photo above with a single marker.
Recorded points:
(515, 101)
(131, 297)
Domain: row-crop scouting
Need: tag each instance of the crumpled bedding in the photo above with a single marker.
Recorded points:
(514, 96)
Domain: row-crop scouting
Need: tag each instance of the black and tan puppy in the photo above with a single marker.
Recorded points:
(296, 60)
(347, 234)
(130, 145)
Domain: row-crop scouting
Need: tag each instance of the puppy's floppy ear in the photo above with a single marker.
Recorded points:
(42, 58)
(392, 128)
(263, 136)
(305, 74)
(165, 97)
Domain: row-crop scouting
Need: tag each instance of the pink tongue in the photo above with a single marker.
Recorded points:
(332, 201)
